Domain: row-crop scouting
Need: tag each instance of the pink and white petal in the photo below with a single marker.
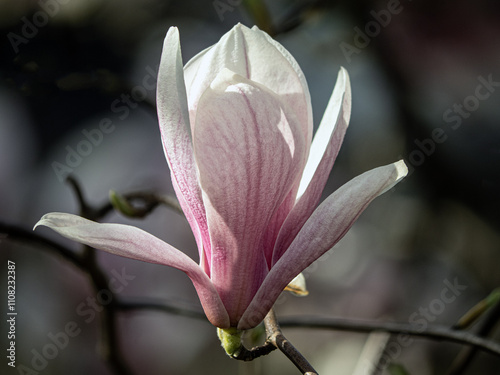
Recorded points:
(330, 134)
(307, 117)
(176, 138)
(200, 232)
(228, 53)
(249, 149)
(326, 226)
(132, 242)
(191, 69)
(275, 224)
(324, 150)
(252, 54)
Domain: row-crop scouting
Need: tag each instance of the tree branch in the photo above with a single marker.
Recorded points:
(276, 337)
(18, 234)
(436, 332)
(169, 308)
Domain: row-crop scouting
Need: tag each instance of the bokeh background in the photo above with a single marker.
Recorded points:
(426, 87)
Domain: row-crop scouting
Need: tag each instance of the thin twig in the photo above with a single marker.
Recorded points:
(258, 351)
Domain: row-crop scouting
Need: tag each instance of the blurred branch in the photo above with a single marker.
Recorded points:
(260, 15)
(275, 339)
(141, 203)
(111, 349)
(436, 332)
(169, 308)
(372, 359)
(466, 355)
(297, 13)
(27, 237)
(87, 262)
(111, 352)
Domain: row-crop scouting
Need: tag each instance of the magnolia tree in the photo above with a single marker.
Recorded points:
(237, 131)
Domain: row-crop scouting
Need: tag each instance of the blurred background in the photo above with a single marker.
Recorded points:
(426, 87)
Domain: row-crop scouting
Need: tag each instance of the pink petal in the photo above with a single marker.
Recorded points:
(275, 224)
(252, 54)
(324, 150)
(132, 242)
(249, 149)
(326, 226)
(176, 137)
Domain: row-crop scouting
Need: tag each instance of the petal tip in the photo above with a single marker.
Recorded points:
(401, 170)
(343, 71)
(172, 30)
(39, 222)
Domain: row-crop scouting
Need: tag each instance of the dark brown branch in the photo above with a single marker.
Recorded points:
(342, 324)
(432, 332)
(276, 340)
(258, 351)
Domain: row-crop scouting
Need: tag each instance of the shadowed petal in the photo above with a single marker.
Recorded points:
(324, 151)
(132, 242)
(249, 149)
(176, 138)
(305, 106)
(326, 226)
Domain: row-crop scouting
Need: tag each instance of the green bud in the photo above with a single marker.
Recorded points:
(230, 339)
(397, 369)
(121, 204)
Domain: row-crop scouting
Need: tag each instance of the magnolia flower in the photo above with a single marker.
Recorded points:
(236, 127)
